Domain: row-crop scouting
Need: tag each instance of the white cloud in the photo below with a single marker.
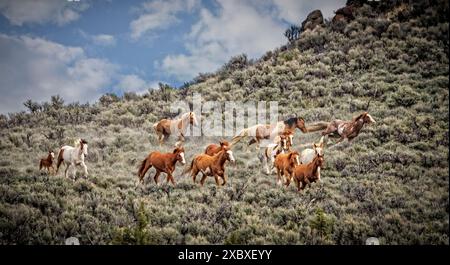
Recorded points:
(36, 68)
(133, 83)
(60, 12)
(104, 40)
(238, 27)
(159, 14)
(252, 27)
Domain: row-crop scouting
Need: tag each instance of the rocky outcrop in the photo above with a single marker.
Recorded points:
(314, 19)
(344, 14)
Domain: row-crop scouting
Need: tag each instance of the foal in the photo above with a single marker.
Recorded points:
(285, 164)
(305, 174)
(211, 166)
(163, 162)
(282, 145)
(48, 162)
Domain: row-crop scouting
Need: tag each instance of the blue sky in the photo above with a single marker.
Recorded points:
(82, 49)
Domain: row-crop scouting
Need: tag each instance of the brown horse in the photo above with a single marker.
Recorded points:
(165, 127)
(211, 165)
(163, 162)
(348, 129)
(213, 149)
(48, 162)
(267, 131)
(305, 174)
(285, 164)
(280, 146)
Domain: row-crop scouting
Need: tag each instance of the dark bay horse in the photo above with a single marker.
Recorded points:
(348, 129)
(270, 131)
(162, 162)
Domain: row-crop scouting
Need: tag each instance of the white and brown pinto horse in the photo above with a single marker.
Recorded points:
(270, 131)
(348, 129)
(165, 127)
(73, 156)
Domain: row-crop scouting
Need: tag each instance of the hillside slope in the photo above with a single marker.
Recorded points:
(391, 182)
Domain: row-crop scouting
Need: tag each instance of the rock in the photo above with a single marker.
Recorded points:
(344, 14)
(72, 241)
(314, 19)
(372, 241)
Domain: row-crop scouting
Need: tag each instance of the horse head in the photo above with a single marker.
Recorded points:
(224, 143)
(228, 154)
(192, 119)
(294, 158)
(179, 151)
(51, 154)
(83, 147)
(368, 119)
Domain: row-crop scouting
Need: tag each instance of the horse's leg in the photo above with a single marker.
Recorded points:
(224, 177)
(267, 166)
(170, 177)
(216, 178)
(194, 173)
(74, 172)
(156, 176)
(67, 169)
(85, 169)
(278, 176)
(202, 181)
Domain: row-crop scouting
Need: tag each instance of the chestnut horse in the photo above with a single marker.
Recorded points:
(47, 162)
(213, 149)
(282, 145)
(211, 165)
(308, 155)
(306, 173)
(285, 164)
(165, 127)
(267, 131)
(163, 162)
(348, 129)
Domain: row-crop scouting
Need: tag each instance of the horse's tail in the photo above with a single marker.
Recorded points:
(40, 165)
(155, 125)
(318, 126)
(189, 168)
(60, 159)
(243, 133)
(141, 171)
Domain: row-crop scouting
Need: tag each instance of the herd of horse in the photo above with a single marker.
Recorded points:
(280, 156)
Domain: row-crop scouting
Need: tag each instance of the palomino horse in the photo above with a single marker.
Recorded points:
(211, 165)
(306, 173)
(267, 131)
(281, 146)
(285, 164)
(213, 149)
(308, 155)
(73, 156)
(348, 129)
(165, 127)
(47, 162)
(163, 162)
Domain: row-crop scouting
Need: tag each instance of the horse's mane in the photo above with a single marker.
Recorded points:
(291, 121)
(359, 116)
